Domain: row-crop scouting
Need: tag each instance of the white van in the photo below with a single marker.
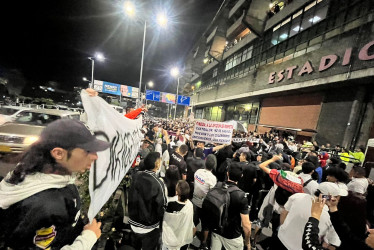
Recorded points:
(118, 108)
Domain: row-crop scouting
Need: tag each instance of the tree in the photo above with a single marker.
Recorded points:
(15, 81)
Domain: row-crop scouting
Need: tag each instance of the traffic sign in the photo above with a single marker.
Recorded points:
(184, 100)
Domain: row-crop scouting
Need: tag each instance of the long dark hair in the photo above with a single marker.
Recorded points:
(172, 176)
(37, 158)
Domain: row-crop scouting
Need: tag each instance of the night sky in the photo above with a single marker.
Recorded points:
(50, 40)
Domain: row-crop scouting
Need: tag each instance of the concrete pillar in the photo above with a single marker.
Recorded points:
(354, 117)
(367, 123)
(223, 114)
(185, 112)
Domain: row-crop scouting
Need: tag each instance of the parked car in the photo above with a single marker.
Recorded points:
(9, 113)
(16, 136)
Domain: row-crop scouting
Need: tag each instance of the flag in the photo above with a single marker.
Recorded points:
(112, 164)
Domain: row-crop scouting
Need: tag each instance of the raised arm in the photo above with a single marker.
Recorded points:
(216, 148)
(265, 164)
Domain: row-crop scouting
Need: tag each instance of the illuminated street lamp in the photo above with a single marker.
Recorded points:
(99, 57)
(162, 20)
(129, 9)
(175, 73)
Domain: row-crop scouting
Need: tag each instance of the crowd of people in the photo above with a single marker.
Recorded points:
(193, 194)
(272, 180)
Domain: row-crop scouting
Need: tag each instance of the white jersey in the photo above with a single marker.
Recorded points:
(204, 180)
(358, 185)
(311, 187)
(291, 231)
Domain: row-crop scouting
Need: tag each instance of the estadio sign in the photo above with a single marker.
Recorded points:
(326, 62)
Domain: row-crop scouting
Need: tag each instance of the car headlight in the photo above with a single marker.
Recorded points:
(30, 139)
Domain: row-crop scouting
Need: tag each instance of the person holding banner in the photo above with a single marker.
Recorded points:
(132, 113)
(39, 203)
(209, 150)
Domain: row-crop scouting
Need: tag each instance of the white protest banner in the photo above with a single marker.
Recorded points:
(112, 164)
(253, 140)
(215, 132)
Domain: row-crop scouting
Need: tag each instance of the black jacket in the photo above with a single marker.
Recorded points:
(249, 174)
(52, 213)
(147, 200)
(193, 164)
(310, 236)
(349, 240)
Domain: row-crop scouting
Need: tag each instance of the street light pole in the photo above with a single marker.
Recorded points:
(141, 65)
(176, 99)
(130, 10)
(91, 84)
(99, 57)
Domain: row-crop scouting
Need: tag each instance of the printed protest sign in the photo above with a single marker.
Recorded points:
(214, 132)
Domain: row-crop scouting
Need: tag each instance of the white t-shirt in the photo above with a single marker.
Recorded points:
(291, 231)
(312, 186)
(358, 185)
(158, 148)
(165, 163)
(293, 147)
(204, 181)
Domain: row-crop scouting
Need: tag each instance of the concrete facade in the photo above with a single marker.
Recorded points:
(332, 59)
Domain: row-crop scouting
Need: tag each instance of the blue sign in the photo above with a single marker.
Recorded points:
(152, 95)
(111, 88)
(156, 96)
(149, 95)
(184, 100)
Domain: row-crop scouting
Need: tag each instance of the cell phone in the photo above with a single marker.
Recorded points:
(326, 197)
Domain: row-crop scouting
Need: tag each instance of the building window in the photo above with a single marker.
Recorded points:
(238, 58)
(216, 113)
(247, 53)
(212, 113)
(229, 63)
(245, 113)
(199, 114)
(215, 72)
(300, 21)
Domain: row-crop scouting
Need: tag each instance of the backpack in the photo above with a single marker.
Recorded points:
(222, 169)
(215, 206)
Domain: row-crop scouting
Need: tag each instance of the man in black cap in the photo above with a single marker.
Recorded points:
(39, 203)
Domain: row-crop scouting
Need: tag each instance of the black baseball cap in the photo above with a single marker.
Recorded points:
(70, 133)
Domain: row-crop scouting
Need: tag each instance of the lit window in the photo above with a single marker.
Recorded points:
(286, 21)
(315, 19)
(310, 6)
(277, 27)
(283, 36)
(297, 14)
(296, 28)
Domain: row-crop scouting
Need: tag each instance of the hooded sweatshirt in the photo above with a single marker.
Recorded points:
(43, 212)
